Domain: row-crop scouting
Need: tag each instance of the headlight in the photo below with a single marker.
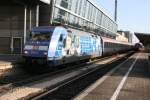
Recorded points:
(25, 52)
(45, 53)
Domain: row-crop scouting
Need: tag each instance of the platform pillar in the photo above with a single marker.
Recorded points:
(25, 23)
(37, 15)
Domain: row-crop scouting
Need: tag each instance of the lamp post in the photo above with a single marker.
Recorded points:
(116, 6)
(25, 23)
(37, 15)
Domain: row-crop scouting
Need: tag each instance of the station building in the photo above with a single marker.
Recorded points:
(18, 17)
(16, 20)
(127, 34)
(84, 14)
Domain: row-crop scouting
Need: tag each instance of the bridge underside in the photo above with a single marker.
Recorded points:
(145, 40)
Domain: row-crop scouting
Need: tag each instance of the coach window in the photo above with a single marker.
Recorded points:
(108, 44)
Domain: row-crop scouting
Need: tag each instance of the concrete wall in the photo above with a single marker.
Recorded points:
(12, 24)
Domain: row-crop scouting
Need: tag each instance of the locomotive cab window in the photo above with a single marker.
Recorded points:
(41, 36)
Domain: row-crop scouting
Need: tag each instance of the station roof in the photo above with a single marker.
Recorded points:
(143, 37)
(26, 2)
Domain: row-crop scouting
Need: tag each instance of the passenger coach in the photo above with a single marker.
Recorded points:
(56, 45)
(82, 39)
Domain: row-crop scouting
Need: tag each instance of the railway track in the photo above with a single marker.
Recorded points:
(10, 81)
(70, 88)
(36, 79)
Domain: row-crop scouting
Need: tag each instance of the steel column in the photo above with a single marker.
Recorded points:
(116, 7)
(52, 5)
(30, 25)
(37, 15)
(25, 23)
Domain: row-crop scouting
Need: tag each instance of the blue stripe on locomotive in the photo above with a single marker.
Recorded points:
(38, 53)
(88, 45)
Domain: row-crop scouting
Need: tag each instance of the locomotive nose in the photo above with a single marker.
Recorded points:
(34, 50)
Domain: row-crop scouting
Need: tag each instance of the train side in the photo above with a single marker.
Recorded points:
(63, 46)
(111, 46)
(56, 45)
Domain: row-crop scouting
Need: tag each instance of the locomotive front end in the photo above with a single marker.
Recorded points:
(36, 48)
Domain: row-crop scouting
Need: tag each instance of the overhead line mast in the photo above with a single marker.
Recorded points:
(116, 6)
(51, 10)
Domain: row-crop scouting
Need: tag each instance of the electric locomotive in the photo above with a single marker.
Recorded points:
(56, 45)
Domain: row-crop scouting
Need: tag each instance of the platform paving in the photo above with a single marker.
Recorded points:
(131, 81)
(7, 61)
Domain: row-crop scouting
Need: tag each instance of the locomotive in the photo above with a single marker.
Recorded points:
(56, 45)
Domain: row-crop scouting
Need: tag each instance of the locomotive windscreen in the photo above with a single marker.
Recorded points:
(41, 36)
(42, 33)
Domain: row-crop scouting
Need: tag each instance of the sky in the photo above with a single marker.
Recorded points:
(133, 15)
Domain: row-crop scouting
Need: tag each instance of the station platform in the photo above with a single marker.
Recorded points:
(128, 81)
(7, 61)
